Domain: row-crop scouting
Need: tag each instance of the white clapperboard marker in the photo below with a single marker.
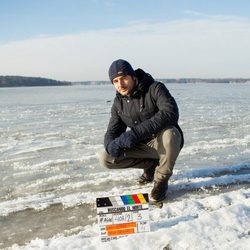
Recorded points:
(122, 215)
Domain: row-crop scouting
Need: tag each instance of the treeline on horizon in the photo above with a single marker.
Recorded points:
(22, 81)
(206, 80)
(179, 80)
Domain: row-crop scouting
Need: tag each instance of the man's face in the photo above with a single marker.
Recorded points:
(124, 84)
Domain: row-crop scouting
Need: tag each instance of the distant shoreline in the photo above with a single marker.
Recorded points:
(22, 81)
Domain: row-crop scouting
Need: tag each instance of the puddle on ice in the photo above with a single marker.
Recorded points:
(23, 226)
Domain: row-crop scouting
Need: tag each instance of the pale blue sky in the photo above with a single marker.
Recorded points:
(78, 39)
(22, 19)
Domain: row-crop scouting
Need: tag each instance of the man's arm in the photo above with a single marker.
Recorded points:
(167, 115)
(115, 127)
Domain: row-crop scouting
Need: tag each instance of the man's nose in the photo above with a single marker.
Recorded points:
(120, 82)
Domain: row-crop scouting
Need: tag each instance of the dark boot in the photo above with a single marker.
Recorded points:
(148, 174)
(159, 191)
(145, 179)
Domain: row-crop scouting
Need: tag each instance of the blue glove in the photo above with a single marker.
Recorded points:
(127, 139)
(113, 149)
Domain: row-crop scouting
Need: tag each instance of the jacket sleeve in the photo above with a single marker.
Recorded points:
(115, 127)
(166, 116)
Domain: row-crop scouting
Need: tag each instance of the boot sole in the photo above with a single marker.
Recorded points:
(144, 183)
(159, 200)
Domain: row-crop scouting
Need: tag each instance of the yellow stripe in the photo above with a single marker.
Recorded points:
(141, 198)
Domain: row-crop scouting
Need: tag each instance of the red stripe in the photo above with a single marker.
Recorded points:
(136, 199)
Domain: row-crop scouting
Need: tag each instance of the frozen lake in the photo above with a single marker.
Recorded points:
(50, 139)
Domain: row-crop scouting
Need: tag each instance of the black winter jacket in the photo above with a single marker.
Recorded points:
(148, 111)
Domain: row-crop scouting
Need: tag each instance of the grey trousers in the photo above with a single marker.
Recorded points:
(165, 149)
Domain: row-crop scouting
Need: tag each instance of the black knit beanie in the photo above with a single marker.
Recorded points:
(120, 67)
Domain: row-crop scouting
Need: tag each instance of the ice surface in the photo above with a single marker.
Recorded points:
(50, 141)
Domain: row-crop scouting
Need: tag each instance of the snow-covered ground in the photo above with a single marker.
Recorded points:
(50, 140)
(218, 221)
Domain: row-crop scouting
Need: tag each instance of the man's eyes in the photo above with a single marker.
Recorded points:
(124, 78)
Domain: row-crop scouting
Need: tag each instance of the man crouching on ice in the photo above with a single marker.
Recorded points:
(154, 139)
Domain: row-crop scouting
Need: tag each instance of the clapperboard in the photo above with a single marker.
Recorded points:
(119, 216)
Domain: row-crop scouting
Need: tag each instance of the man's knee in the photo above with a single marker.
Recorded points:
(105, 160)
(171, 137)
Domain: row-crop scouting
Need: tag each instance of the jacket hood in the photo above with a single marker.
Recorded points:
(144, 81)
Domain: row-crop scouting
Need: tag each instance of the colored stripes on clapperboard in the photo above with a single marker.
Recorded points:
(122, 200)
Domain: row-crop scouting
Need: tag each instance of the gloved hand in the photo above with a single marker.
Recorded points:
(127, 139)
(114, 149)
